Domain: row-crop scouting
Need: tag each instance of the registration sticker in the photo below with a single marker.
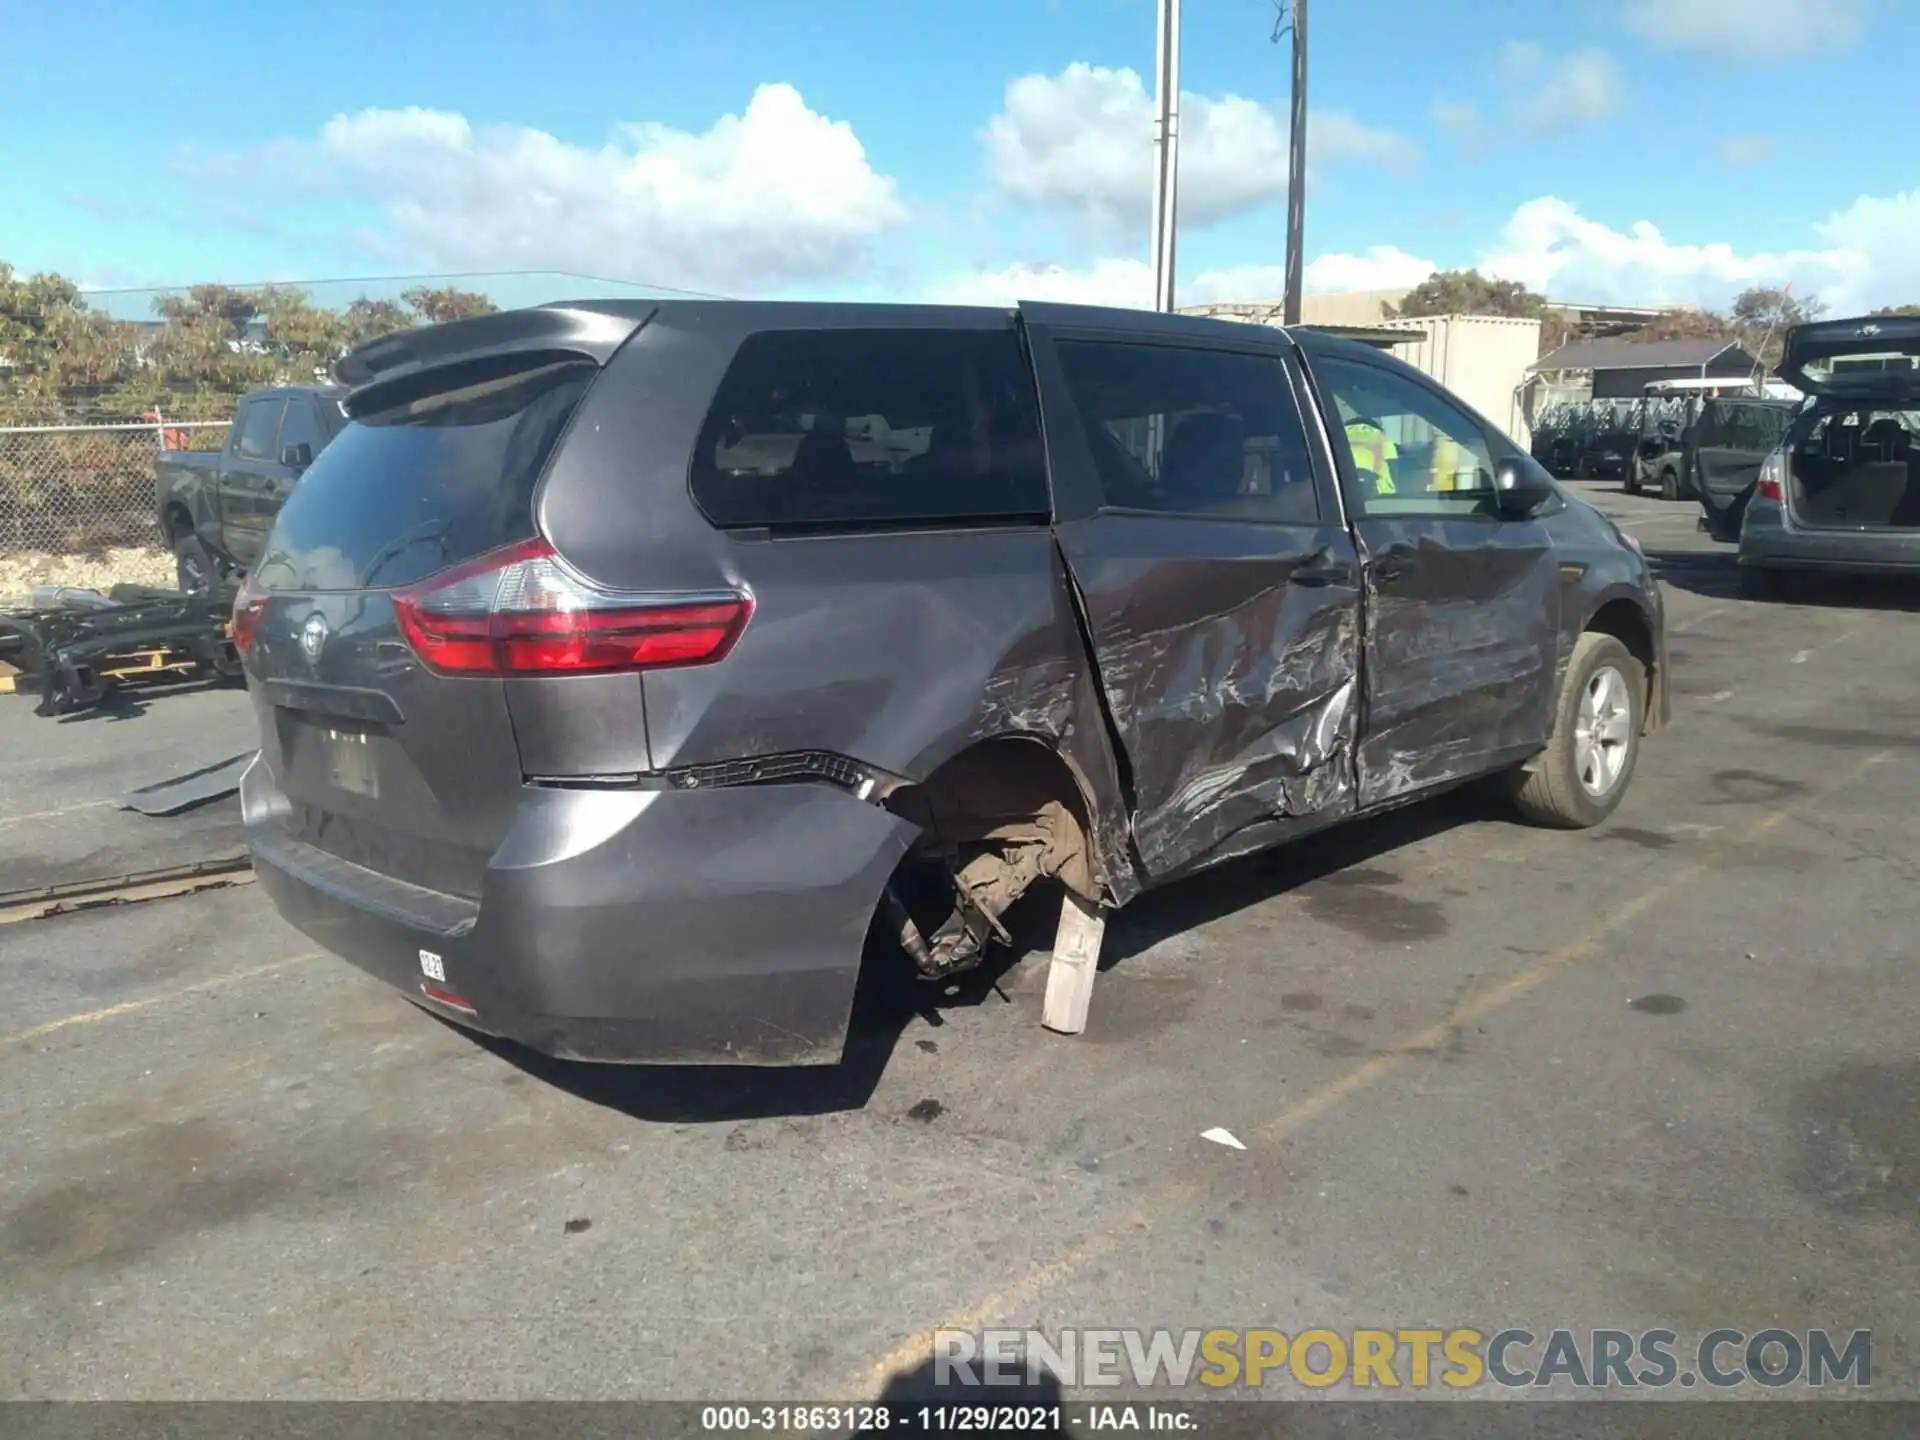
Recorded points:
(433, 967)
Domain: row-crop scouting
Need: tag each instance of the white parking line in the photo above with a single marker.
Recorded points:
(1694, 622)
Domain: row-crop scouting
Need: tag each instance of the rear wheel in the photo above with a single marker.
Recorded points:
(193, 566)
(1669, 484)
(1582, 775)
(1632, 482)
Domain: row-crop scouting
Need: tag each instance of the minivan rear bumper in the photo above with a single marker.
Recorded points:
(1770, 540)
(721, 926)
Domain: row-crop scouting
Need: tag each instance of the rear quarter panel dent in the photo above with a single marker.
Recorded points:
(901, 651)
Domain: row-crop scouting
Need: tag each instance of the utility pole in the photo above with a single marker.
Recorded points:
(1297, 168)
(1166, 151)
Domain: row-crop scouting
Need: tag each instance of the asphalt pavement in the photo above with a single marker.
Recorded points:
(1662, 1074)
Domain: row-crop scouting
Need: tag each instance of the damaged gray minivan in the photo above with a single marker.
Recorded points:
(622, 668)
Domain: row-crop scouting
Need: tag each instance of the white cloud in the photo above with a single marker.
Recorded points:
(775, 195)
(1549, 96)
(1129, 283)
(1742, 150)
(1881, 234)
(1747, 31)
(1379, 267)
(1082, 141)
(1125, 283)
(1460, 120)
(1865, 255)
(1549, 246)
(1579, 90)
(1335, 136)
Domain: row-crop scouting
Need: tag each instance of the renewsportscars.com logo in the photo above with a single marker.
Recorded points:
(1409, 1359)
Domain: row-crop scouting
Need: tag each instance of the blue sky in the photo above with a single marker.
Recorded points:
(1626, 150)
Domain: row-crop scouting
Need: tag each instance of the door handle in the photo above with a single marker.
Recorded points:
(1321, 568)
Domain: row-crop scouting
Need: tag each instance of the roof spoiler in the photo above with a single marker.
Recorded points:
(551, 331)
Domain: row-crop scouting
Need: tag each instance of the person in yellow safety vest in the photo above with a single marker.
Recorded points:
(1373, 450)
(1455, 466)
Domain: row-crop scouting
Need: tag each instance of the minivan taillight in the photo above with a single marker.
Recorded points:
(519, 612)
(1772, 484)
(249, 604)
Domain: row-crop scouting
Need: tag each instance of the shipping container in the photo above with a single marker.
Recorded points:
(1481, 358)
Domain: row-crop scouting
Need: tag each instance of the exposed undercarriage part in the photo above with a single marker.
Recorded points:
(994, 821)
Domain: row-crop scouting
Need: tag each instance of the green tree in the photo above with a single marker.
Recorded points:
(1684, 324)
(54, 349)
(1761, 316)
(1466, 292)
(435, 307)
(1898, 310)
(370, 319)
(62, 360)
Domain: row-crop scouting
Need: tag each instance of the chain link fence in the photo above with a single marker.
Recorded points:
(70, 490)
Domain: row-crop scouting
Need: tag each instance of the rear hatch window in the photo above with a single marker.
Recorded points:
(817, 429)
(427, 482)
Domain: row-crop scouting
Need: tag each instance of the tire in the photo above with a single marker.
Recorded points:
(1669, 484)
(193, 566)
(1549, 789)
(1631, 484)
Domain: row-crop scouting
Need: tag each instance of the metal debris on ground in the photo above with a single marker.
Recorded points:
(45, 901)
(188, 791)
(75, 648)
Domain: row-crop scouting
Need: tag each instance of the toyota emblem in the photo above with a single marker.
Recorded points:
(313, 638)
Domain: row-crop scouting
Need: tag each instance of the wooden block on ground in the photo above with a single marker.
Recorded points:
(1076, 961)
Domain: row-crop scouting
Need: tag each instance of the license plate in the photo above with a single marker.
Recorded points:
(350, 764)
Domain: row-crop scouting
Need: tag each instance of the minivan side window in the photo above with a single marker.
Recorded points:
(850, 428)
(1182, 431)
(259, 430)
(1411, 451)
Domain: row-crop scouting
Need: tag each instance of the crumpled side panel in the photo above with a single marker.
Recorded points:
(1461, 654)
(1234, 692)
(1237, 736)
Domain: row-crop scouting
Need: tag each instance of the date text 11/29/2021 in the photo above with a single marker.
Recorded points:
(929, 1419)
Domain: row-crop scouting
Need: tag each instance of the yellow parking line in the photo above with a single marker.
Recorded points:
(917, 1348)
(128, 1007)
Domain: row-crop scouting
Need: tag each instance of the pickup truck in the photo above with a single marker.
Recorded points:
(622, 662)
(216, 506)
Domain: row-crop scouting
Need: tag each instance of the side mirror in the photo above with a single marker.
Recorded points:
(1521, 486)
(297, 457)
